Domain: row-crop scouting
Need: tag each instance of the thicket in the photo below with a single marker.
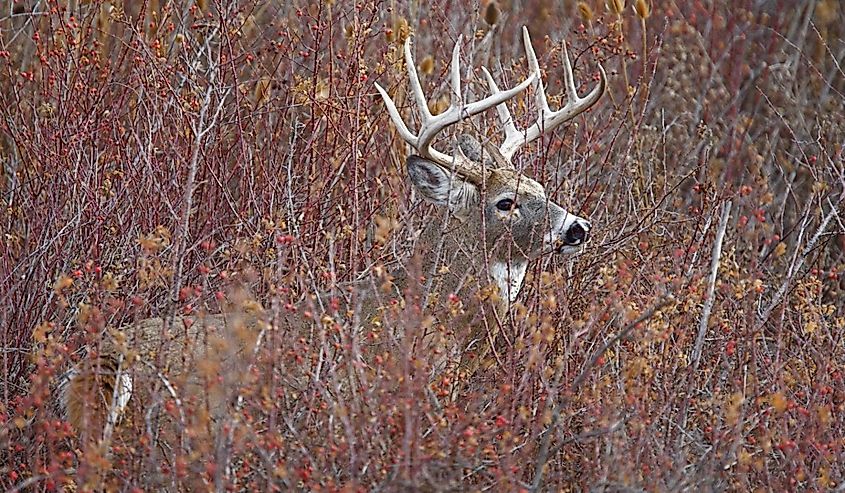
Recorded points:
(157, 153)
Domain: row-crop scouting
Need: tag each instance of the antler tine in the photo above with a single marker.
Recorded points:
(414, 80)
(548, 120)
(403, 130)
(431, 125)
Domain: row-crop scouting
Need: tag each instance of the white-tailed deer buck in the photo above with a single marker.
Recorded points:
(502, 220)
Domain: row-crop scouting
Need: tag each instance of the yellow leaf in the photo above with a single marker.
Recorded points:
(810, 327)
(824, 415)
(778, 402)
(39, 335)
(62, 283)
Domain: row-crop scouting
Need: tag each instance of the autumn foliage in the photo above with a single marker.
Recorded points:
(161, 158)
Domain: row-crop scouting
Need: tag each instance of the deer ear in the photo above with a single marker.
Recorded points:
(437, 185)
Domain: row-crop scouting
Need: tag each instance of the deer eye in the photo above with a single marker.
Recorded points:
(505, 205)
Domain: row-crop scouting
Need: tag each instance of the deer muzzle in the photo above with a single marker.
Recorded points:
(575, 235)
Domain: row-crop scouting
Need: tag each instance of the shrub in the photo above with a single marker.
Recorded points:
(158, 157)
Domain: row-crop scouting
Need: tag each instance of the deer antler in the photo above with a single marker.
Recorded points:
(431, 125)
(547, 120)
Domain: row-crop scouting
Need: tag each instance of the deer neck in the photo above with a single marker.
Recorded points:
(508, 276)
(454, 257)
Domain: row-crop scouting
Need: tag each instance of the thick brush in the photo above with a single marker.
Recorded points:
(157, 156)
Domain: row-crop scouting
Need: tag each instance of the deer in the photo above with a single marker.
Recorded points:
(494, 208)
(491, 208)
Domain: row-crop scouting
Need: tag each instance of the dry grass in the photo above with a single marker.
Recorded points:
(158, 155)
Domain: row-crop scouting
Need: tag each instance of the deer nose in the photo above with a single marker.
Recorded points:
(577, 233)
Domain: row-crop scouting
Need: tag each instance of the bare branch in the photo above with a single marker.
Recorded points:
(711, 284)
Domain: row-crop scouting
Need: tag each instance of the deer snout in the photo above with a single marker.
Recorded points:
(577, 233)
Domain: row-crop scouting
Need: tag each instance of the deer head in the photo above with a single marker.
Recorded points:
(510, 210)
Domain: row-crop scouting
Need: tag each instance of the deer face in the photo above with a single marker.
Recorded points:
(517, 206)
(519, 221)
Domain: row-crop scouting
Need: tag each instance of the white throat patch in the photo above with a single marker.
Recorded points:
(508, 277)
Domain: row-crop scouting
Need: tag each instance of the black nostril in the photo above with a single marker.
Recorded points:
(576, 234)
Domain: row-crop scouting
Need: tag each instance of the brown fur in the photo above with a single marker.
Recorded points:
(89, 393)
(186, 377)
